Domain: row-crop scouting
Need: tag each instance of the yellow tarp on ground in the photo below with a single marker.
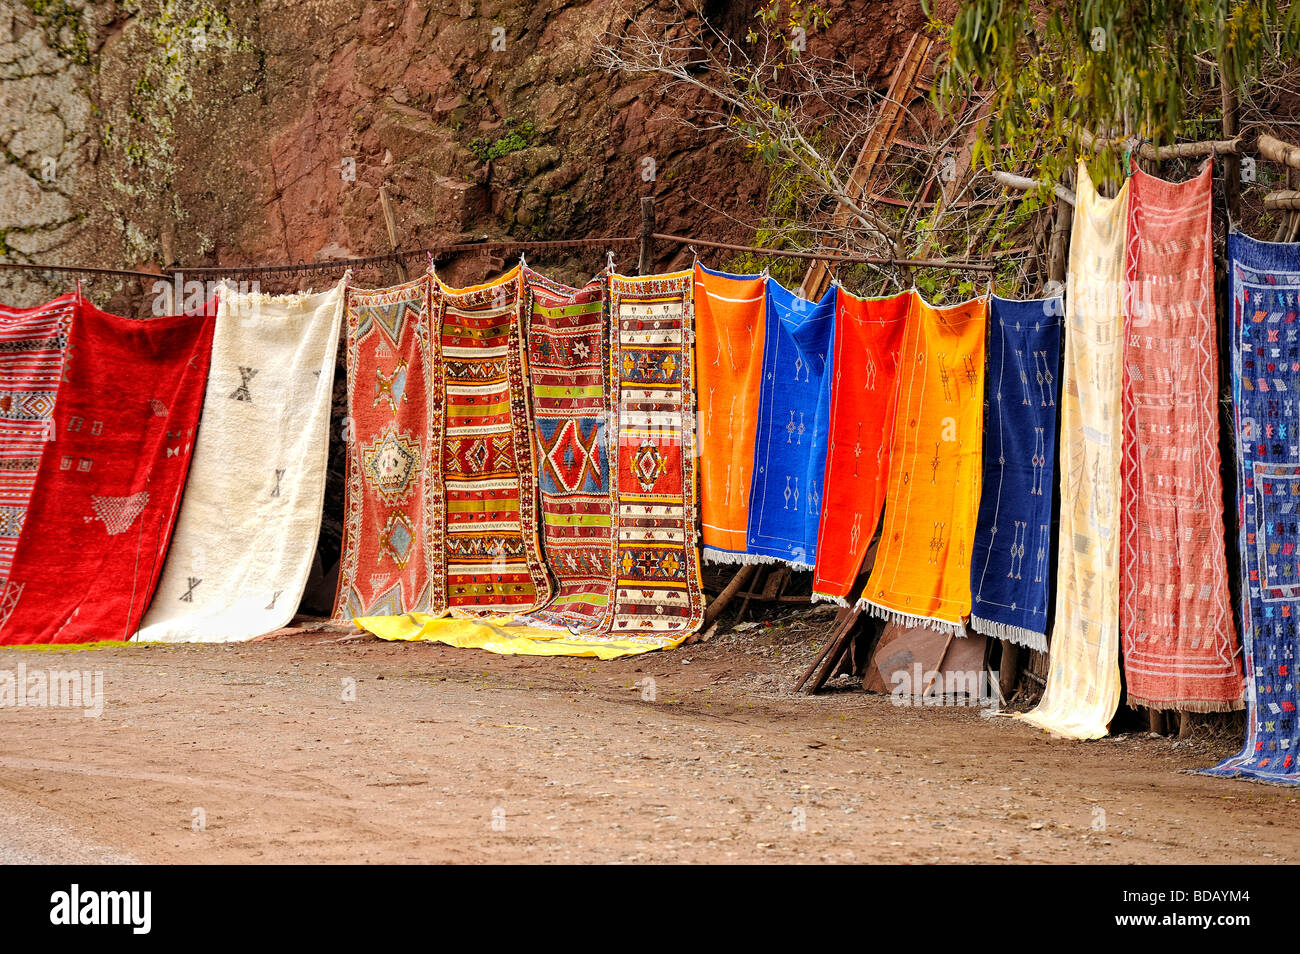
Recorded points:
(506, 636)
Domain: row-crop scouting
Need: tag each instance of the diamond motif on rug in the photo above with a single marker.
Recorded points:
(648, 465)
(396, 538)
(391, 464)
(572, 458)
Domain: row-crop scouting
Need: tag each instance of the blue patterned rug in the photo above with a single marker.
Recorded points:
(1011, 564)
(793, 417)
(1265, 280)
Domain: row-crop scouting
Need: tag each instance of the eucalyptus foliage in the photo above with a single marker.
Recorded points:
(1116, 68)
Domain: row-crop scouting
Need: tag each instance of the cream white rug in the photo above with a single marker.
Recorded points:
(251, 514)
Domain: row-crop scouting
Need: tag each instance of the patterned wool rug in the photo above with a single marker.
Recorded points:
(729, 332)
(1082, 691)
(393, 512)
(794, 408)
(659, 593)
(1179, 642)
(922, 571)
(109, 484)
(568, 362)
(493, 552)
(246, 534)
(33, 343)
(1010, 565)
(864, 377)
(1265, 279)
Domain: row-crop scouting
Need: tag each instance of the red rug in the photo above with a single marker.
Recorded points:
(393, 507)
(868, 336)
(1177, 634)
(33, 342)
(109, 484)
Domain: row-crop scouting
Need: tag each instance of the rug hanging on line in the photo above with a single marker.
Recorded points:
(658, 594)
(1176, 629)
(110, 481)
(1265, 293)
(1082, 691)
(867, 342)
(392, 525)
(729, 331)
(33, 344)
(568, 365)
(492, 549)
(1010, 564)
(793, 427)
(251, 512)
(922, 574)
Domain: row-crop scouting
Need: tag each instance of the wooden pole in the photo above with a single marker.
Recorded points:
(1008, 668)
(1058, 253)
(1231, 161)
(645, 261)
(391, 221)
(723, 599)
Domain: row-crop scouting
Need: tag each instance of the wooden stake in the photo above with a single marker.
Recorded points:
(391, 221)
(728, 593)
(1231, 162)
(645, 261)
(1008, 670)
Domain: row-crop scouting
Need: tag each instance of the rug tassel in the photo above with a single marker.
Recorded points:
(1192, 705)
(739, 559)
(906, 619)
(827, 598)
(1015, 634)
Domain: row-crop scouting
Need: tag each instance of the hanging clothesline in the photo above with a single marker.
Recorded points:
(832, 257)
(298, 268)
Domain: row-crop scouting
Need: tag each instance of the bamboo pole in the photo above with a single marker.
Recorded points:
(1288, 199)
(1024, 184)
(1278, 151)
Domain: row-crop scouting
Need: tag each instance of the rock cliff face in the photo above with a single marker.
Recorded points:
(255, 131)
(237, 132)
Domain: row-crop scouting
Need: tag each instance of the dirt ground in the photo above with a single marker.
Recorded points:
(250, 753)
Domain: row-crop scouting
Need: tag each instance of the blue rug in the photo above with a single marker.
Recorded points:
(793, 418)
(1265, 280)
(1011, 564)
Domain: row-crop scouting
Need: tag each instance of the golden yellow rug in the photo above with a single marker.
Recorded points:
(505, 636)
(921, 575)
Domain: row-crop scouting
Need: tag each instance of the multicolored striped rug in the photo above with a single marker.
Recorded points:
(922, 571)
(568, 363)
(868, 342)
(729, 332)
(1265, 288)
(393, 512)
(1010, 565)
(658, 590)
(110, 481)
(492, 548)
(1177, 636)
(794, 407)
(1082, 691)
(33, 343)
